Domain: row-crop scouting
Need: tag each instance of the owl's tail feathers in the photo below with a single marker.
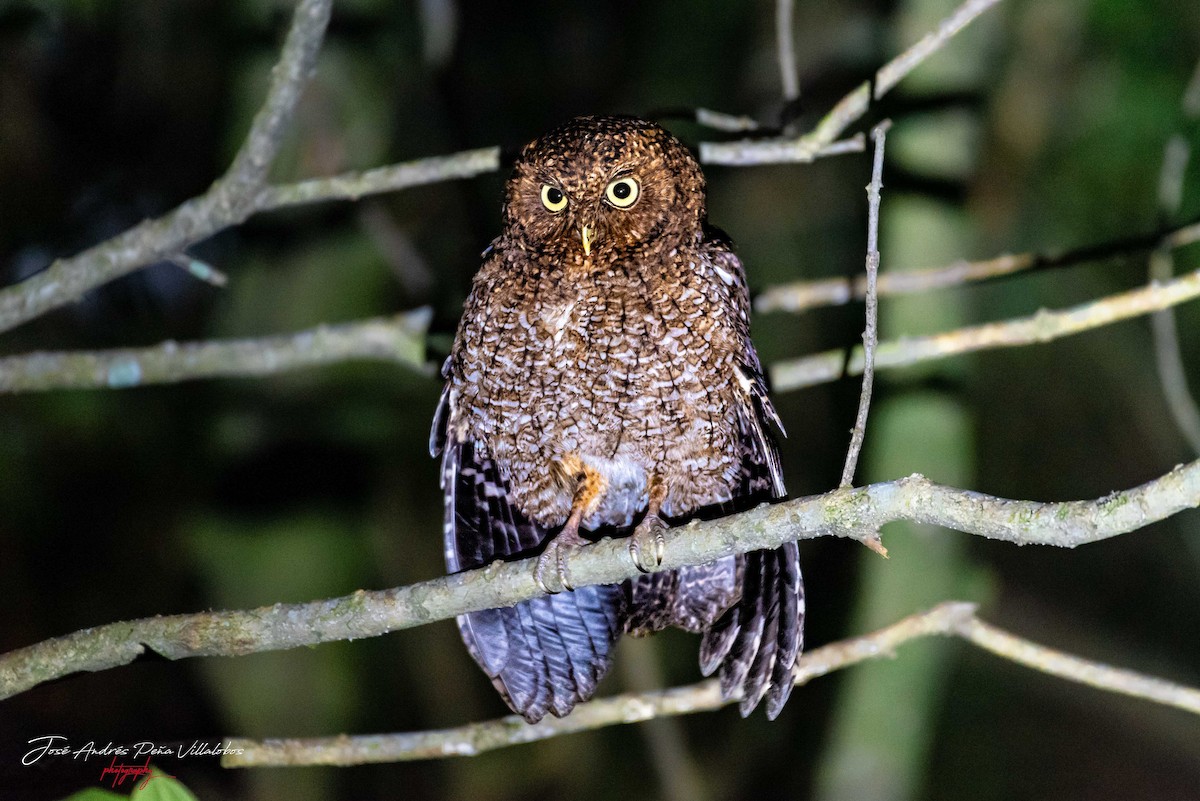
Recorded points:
(547, 654)
(757, 641)
(543, 655)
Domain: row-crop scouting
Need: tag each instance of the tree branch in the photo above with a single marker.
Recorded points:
(229, 201)
(171, 362)
(354, 185)
(1167, 355)
(953, 618)
(1169, 359)
(296, 66)
(895, 70)
(720, 121)
(849, 109)
(243, 192)
(785, 49)
(1044, 326)
(399, 339)
(801, 296)
(1074, 668)
(854, 513)
(871, 334)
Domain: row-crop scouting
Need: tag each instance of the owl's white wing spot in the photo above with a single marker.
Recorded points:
(752, 392)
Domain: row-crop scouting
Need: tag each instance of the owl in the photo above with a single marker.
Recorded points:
(603, 383)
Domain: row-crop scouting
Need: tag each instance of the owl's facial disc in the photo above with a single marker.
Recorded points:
(621, 193)
(604, 189)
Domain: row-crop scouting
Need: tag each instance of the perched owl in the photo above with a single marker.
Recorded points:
(603, 382)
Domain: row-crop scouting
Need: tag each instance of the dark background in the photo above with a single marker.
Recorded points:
(1041, 127)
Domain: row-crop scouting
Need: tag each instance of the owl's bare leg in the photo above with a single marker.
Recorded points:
(589, 489)
(647, 544)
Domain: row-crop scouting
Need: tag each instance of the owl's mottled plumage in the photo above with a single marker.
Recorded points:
(603, 377)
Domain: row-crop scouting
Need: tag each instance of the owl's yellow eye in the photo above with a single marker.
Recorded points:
(553, 198)
(623, 192)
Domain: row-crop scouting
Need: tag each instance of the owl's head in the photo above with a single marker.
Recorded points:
(604, 187)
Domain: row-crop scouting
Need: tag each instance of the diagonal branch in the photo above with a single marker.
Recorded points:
(354, 185)
(289, 77)
(854, 513)
(952, 618)
(1074, 668)
(849, 109)
(626, 708)
(229, 201)
(1043, 326)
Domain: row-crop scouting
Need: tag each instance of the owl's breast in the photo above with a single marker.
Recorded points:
(632, 374)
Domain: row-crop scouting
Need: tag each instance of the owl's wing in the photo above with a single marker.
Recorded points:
(543, 655)
(756, 640)
(755, 643)
(750, 607)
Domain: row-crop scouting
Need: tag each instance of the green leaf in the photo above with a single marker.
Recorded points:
(95, 794)
(161, 787)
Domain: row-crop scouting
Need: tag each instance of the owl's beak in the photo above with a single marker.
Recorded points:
(587, 240)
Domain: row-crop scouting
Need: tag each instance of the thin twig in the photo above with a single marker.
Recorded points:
(1073, 668)
(1043, 326)
(1169, 359)
(1167, 355)
(895, 70)
(354, 185)
(952, 618)
(801, 296)
(229, 201)
(785, 49)
(720, 121)
(871, 334)
(849, 109)
(399, 339)
(856, 513)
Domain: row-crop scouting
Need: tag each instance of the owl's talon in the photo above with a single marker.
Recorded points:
(554, 559)
(564, 573)
(648, 544)
(539, 576)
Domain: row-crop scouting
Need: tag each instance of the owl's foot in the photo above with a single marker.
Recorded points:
(648, 543)
(555, 558)
(589, 489)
